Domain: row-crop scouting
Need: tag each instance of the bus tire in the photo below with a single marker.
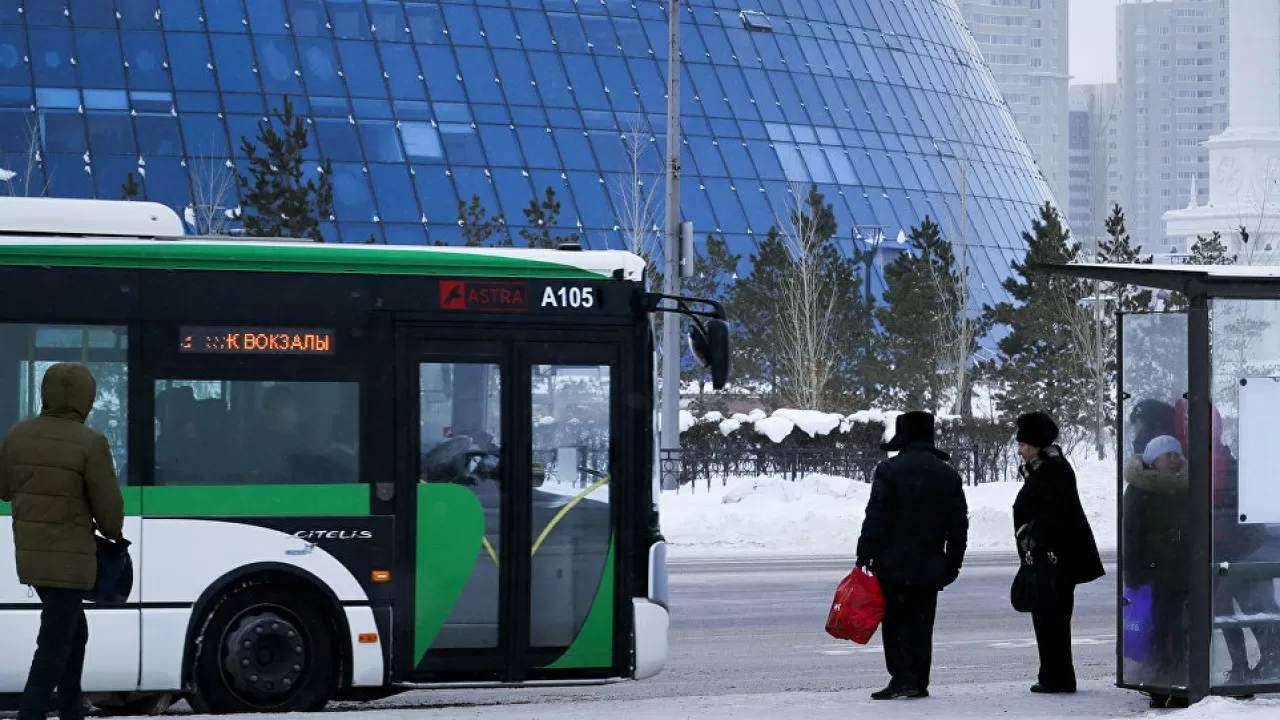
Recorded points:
(263, 648)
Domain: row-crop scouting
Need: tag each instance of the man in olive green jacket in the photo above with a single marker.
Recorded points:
(61, 479)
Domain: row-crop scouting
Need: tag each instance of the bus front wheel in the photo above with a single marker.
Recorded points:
(264, 649)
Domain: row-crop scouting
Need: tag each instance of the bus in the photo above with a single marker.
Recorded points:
(349, 470)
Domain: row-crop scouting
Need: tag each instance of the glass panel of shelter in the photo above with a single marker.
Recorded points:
(1246, 502)
(1154, 549)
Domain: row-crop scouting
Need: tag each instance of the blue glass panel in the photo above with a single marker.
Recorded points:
(13, 48)
(592, 199)
(66, 176)
(600, 34)
(338, 139)
(360, 232)
(46, 14)
(233, 60)
(463, 24)
(175, 15)
(539, 148)
(514, 193)
(421, 142)
(534, 30)
(441, 73)
(225, 16)
(51, 57)
(632, 37)
(205, 136)
(517, 80)
(381, 141)
(388, 17)
(109, 174)
(362, 69)
(63, 131)
(189, 61)
(500, 146)
(320, 67)
(478, 75)
(158, 134)
(552, 82)
(267, 17)
(394, 191)
(499, 27)
(436, 194)
(586, 85)
(139, 14)
(575, 150)
(277, 65)
(58, 98)
(352, 198)
(308, 18)
(403, 76)
(87, 13)
(349, 20)
(111, 133)
(405, 234)
(427, 23)
(461, 144)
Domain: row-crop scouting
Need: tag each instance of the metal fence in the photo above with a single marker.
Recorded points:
(689, 468)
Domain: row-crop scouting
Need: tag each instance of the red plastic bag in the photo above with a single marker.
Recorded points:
(857, 609)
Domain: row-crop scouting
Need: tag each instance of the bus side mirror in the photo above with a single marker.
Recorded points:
(709, 342)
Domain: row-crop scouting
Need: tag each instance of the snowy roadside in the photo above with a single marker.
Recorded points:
(959, 702)
(821, 515)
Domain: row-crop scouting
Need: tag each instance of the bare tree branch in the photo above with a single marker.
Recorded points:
(807, 308)
(637, 195)
(28, 164)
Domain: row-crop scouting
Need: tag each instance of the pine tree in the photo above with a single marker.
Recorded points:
(1118, 248)
(772, 304)
(910, 320)
(542, 217)
(129, 190)
(477, 227)
(1039, 368)
(276, 201)
(1209, 250)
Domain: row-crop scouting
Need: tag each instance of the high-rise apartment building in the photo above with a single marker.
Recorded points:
(1093, 173)
(1024, 42)
(1171, 65)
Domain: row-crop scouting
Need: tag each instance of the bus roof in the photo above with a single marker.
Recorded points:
(191, 253)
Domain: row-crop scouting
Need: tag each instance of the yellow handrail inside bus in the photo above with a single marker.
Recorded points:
(554, 521)
(560, 515)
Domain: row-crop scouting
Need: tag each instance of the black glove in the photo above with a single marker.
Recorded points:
(862, 563)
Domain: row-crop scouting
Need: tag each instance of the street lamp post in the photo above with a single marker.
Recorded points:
(670, 438)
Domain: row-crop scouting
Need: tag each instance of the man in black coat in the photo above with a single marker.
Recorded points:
(913, 540)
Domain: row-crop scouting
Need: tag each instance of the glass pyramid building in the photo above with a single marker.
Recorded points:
(885, 104)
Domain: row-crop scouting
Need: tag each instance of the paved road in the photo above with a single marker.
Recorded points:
(756, 626)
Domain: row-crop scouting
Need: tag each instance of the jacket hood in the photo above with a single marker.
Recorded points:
(68, 392)
(1137, 474)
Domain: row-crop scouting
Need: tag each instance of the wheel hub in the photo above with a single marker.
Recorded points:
(264, 655)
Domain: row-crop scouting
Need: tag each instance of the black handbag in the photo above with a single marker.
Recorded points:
(114, 582)
(1035, 587)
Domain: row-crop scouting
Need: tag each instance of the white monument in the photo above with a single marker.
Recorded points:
(1244, 161)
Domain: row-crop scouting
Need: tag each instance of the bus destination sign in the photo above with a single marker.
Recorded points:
(256, 341)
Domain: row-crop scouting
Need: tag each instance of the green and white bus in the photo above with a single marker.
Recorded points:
(348, 470)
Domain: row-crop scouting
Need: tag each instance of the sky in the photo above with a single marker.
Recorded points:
(1093, 40)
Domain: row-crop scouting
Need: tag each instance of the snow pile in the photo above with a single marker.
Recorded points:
(778, 426)
(822, 514)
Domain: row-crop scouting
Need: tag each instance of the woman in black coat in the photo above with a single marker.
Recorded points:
(1051, 526)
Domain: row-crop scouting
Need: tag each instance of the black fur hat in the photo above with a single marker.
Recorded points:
(1037, 430)
(910, 428)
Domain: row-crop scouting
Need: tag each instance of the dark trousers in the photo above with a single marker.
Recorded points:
(907, 630)
(59, 658)
(1052, 623)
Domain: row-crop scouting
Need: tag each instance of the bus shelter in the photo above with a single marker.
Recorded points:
(1199, 480)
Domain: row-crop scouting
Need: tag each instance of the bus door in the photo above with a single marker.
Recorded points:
(506, 468)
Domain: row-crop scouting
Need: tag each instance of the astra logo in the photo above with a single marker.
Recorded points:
(313, 535)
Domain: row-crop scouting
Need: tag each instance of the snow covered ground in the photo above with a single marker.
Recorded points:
(953, 702)
(822, 515)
